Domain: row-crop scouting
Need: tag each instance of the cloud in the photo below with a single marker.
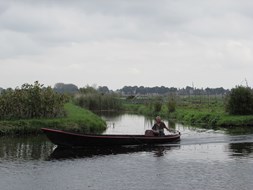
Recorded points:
(120, 42)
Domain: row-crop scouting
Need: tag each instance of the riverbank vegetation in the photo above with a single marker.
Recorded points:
(206, 111)
(27, 109)
(31, 101)
(91, 99)
(76, 119)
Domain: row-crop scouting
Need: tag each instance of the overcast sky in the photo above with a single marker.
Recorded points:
(114, 43)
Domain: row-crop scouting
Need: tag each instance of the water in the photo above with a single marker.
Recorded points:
(203, 159)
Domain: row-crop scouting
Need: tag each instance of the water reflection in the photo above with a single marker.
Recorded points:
(70, 153)
(160, 151)
(40, 148)
(241, 149)
(239, 130)
(25, 148)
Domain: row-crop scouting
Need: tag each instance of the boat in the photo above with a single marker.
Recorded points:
(70, 139)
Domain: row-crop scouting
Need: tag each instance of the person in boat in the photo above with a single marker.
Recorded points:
(159, 126)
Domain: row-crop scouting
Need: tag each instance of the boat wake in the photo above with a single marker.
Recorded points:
(216, 139)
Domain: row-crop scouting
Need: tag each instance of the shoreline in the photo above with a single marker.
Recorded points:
(77, 120)
(211, 119)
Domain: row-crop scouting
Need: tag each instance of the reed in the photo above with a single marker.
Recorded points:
(98, 102)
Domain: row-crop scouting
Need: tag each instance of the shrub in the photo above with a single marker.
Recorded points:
(240, 101)
(31, 101)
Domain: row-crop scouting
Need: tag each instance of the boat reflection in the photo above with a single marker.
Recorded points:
(72, 153)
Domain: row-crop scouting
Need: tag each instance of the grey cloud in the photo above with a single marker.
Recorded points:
(133, 20)
(127, 34)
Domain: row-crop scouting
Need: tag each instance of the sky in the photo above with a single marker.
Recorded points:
(117, 43)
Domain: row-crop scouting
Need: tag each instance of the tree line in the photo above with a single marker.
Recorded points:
(139, 90)
(162, 90)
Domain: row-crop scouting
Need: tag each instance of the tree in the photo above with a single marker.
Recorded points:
(103, 89)
(65, 88)
(240, 101)
(88, 90)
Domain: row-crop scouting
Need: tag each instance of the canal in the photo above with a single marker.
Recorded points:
(203, 159)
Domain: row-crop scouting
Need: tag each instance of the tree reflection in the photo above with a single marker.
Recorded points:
(241, 149)
(25, 148)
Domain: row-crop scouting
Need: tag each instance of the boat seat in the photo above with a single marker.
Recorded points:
(149, 133)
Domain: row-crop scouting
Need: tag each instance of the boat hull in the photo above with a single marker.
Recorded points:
(67, 139)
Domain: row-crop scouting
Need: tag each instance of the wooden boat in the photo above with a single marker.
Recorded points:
(69, 139)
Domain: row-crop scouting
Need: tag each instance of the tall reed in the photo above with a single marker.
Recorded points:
(97, 102)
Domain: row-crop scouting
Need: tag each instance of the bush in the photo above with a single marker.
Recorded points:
(240, 101)
(31, 101)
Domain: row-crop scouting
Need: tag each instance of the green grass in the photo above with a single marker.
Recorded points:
(228, 120)
(76, 120)
(210, 119)
(211, 115)
(196, 117)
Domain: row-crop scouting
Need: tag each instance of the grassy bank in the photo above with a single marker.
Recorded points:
(208, 117)
(77, 119)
